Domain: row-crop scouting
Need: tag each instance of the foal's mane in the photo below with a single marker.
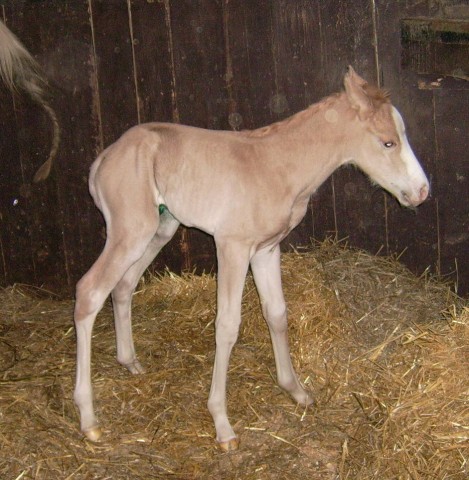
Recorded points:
(377, 95)
(299, 117)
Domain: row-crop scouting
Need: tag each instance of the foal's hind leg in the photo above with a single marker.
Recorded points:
(128, 237)
(122, 294)
(265, 267)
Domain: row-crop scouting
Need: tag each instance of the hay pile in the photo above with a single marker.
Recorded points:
(385, 354)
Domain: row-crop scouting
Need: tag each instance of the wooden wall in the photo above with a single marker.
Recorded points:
(222, 64)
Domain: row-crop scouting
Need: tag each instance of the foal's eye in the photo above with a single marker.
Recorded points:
(389, 144)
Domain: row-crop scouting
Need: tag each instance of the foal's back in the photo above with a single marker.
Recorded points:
(221, 182)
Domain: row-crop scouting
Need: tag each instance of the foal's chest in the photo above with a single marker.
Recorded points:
(298, 210)
(293, 218)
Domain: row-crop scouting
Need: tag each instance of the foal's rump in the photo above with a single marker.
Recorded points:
(121, 179)
(151, 165)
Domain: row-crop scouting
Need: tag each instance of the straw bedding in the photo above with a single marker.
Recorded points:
(386, 355)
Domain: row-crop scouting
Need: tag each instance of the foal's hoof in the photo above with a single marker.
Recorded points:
(135, 367)
(307, 401)
(229, 445)
(93, 434)
(302, 397)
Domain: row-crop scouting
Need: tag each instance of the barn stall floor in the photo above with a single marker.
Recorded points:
(386, 355)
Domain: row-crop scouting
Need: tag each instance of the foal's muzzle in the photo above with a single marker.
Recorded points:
(413, 200)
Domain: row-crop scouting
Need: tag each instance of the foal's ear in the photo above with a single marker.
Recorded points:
(358, 98)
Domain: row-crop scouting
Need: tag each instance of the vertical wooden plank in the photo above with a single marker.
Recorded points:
(62, 230)
(72, 47)
(157, 95)
(197, 40)
(272, 68)
(452, 171)
(299, 76)
(251, 78)
(33, 252)
(114, 57)
(153, 58)
(356, 210)
(347, 30)
(413, 234)
(6, 152)
(15, 228)
(69, 60)
(322, 203)
(300, 80)
(11, 168)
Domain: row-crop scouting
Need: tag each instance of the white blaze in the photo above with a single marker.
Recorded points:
(417, 181)
(414, 168)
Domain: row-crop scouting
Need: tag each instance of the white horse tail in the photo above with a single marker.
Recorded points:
(20, 72)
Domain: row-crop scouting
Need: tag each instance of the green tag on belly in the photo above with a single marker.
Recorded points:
(162, 208)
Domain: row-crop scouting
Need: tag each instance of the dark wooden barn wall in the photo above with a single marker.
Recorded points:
(221, 64)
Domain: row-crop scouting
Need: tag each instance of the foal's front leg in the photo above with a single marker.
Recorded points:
(233, 262)
(265, 266)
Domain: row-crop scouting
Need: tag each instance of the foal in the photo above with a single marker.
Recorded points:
(249, 190)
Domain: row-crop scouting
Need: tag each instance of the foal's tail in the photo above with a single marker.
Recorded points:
(20, 72)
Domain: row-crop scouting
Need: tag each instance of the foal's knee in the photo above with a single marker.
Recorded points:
(226, 331)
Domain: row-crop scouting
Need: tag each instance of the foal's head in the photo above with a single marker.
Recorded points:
(382, 150)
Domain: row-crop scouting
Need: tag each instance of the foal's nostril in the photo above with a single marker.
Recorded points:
(423, 193)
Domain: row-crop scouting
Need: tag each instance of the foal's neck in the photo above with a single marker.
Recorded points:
(315, 141)
(322, 122)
